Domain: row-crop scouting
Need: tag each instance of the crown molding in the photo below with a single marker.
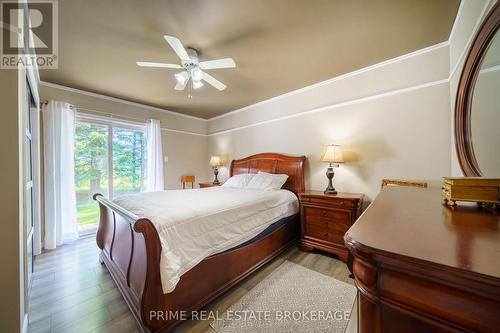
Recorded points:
(338, 78)
(310, 87)
(118, 100)
(369, 68)
(336, 105)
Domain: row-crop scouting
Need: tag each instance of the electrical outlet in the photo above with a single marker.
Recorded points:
(165, 159)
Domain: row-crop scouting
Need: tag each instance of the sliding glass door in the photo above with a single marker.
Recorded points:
(110, 158)
(91, 171)
(129, 161)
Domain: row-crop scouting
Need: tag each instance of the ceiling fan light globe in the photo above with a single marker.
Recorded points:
(197, 74)
(197, 84)
(181, 77)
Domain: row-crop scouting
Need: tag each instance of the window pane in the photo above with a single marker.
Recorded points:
(91, 170)
(129, 161)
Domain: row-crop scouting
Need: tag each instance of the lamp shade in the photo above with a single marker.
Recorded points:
(332, 154)
(215, 161)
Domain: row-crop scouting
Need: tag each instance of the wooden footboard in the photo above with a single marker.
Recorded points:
(131, 251)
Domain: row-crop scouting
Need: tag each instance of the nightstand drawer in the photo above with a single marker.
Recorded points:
(339, 226)
(330, 214)
(326, 234)
(336, 236)
(209, 184)
(317, 231)
(317, 220)
(330, 201)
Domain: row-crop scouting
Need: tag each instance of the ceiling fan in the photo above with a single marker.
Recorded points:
(192, 69)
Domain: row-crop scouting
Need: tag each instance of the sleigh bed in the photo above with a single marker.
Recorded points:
(131, 250)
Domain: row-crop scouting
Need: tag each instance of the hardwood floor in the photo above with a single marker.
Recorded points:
(73, 292)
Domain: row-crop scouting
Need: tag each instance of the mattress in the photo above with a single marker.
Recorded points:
(195, 224)
(272, 227)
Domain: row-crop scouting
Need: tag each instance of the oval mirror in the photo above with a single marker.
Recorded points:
(477, 110)
(485, 112)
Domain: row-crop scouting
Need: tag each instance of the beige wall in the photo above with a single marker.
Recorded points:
(186, 152)
(187, 155)
(408, 71)
(396, 119)
(392, 121)
(401, 136)
(11, 301)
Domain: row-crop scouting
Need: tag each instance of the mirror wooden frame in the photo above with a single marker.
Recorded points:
(465, 90)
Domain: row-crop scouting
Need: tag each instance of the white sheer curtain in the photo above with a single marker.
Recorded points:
(59, 174)
(154, 156)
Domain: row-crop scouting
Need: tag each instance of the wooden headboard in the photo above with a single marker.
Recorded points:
(293, 166)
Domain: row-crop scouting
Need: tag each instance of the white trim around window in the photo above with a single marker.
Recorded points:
(91, 118)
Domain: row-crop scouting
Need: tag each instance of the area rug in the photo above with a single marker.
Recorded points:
(291, 299)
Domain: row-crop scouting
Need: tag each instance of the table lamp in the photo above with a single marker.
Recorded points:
(215, 163)
(332, 155)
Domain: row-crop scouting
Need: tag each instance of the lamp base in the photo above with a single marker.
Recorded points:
(329, 174)
(329, 190)
(216, 173)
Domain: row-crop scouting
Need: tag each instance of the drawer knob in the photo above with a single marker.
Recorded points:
(325, 214)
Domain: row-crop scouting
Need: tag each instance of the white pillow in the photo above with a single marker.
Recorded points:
(267, 181)
(239, 181)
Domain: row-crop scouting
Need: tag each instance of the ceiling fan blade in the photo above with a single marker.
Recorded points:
(157, 64)
(219, 63)
(181, 85)
(176, 44)
(213, 81)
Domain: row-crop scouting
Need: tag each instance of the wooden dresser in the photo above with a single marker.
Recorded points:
(421, 266)
(325, 218)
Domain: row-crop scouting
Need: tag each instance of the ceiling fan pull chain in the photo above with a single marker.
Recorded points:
(190, 89)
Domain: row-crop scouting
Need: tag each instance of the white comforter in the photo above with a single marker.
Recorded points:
(194, 224)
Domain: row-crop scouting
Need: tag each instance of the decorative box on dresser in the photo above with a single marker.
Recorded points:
(325, 218)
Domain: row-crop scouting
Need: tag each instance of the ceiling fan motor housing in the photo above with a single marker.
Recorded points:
(193, 55)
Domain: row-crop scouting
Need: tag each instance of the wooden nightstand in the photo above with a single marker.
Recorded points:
(208, 184)
(325, 218)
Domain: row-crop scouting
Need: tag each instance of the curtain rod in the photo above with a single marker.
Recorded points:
(111, 115)
(47, 102)
(104, 113)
